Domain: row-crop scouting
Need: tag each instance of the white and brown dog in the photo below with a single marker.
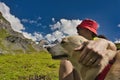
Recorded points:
(65, 49)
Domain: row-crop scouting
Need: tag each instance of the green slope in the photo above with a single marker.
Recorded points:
(28, 66)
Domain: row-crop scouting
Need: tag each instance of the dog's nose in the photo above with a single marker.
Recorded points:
(62, 41)
(48, 48)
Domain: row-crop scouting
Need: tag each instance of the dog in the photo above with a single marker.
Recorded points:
(114, 73)
(65, 49)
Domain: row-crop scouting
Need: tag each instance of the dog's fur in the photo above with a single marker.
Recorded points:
(65, 49)
(114, 73)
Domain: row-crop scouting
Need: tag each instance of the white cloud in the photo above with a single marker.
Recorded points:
(15, 22)
(66, 26)
(53, 19)
(32, 22)
(118, 25)
(39, 18)
(55, 26)
(50, 38)
(35, 36)
(39, 24)
(25, 20)
(29, 21)
(117, 41)
(17, 25)
(29, 36)
(38, 36)
(55, 35)
(62, 28)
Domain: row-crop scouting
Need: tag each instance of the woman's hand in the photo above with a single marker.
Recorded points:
(93, 52)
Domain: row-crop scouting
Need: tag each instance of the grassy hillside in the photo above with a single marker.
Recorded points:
(28, 66)
(15, 65)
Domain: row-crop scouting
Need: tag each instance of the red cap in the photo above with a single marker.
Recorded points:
(89, 24)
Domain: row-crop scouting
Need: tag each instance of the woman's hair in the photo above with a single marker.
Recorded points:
(94, 35)
(102, 36)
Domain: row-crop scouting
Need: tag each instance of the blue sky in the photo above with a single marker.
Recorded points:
(51, 19)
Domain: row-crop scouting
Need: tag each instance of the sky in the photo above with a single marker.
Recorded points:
(55, 19)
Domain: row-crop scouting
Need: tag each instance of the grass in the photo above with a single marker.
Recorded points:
(20, 66)
(28, 66)
(3, 33)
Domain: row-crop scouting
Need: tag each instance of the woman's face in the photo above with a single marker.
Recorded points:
(85, 33)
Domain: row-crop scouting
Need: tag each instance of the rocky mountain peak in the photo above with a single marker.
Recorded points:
(14, 42)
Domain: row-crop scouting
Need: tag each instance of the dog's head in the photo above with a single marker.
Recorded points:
(66, 47)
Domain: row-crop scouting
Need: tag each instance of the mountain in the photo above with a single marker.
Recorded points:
(14, 42)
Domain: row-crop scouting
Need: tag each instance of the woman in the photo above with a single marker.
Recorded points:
(88, 29)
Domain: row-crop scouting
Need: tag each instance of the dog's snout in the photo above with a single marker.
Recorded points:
(62, 41)
(48, 48)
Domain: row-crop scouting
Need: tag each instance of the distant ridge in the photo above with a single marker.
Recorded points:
(14, 42)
